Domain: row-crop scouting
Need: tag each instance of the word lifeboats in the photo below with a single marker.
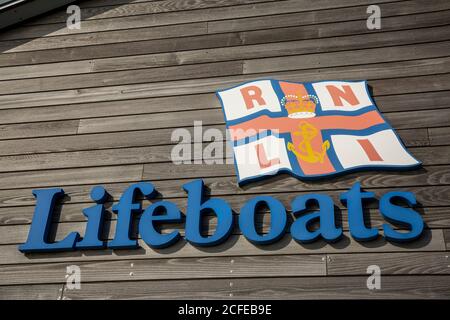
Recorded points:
(197, 207)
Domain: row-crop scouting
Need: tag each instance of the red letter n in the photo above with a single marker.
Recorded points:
(337, 95)
(250, 94)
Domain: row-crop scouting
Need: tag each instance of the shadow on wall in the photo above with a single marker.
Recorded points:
(40, 29)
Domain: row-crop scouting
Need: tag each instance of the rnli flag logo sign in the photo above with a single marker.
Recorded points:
(310, 130)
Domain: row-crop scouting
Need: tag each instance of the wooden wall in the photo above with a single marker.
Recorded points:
(98, 105)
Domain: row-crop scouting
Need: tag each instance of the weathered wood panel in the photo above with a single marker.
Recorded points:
(381, 87)
(447, 239)
(98, 106)
(100, 79)
(235, 53)
(31, 292)
(404, 287)
(432, 240)
(97, 141)
(150, 155)
(72, 176)
(439, 136)
(169, 269)
(152, 40)
(389, 263)
(227, 184)
(219, 13)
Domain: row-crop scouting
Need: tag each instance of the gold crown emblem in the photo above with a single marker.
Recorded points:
(300, 107)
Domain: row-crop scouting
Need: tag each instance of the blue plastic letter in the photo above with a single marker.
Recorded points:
(327, 226)
(147, 229)
(125, 209)
(278, 220)
(40, 226)
(404, 216)
(353, 199)
(95, 214)
(196, 207)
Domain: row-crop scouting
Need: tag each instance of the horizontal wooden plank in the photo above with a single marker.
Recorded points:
(126, 107)
(154, 171)
(42, 129)
(31, 292)
(201, 15)
(225, 185)
(400, 120)
(393, 287)
(98, 141)
(101, 38)
(342, 28)
(439, 136)
(323, 16)
(228, 53)
(132, 8)
(157, 40)
(322, 60)
(152, 154)
(332, 59)
(375, 73)
(169, 269)
(390, 263)
(121, 77)
(423, 101)
(447, 239)
(398, 102)
(159, 123)
(410, 85)
(432, 240)
(73, 176)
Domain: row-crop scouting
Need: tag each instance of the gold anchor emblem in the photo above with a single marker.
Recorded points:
(306, 151)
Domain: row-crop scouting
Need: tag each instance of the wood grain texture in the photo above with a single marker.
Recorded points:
(71, 176)
(112, 10)
(120, 77)
(431, 240)
(404, 287)
(414, 82)
(31, 292)
(192, 36)
(447, 239)
(157, 154)
(170, 18)
(169, 269)
(389, 263)
(141, 138)
(367, 56)
(230, 53)
(324, 60)
(439, 136)
(156, 161)
(227, 184)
